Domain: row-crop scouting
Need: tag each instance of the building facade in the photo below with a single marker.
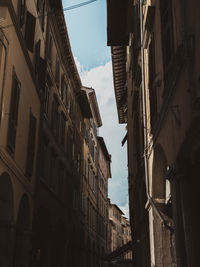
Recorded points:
(156, 76)
(49, 153)
(94, 188)
(19, 132)
(119, 232)
(115, 218)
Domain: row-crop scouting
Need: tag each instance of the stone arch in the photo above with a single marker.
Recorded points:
(23, 234)
(159, 172)
(6, 218)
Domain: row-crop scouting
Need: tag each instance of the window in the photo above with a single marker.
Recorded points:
(43, 156)
(40, 8)
(1, 49)
(78, 162)
(63, 85)
(69, 146)
(152, 87)
(62, 129)
(42, 73)
(55, 117)
(46, 98)
(30, 31)
(167, 191)
(22, 10)
(49, 45)
(166, 33)
(37, 55)
(151, 54)
(53, 172)
(13, 114)
(57, 73)
(31, 145)
(66, 96)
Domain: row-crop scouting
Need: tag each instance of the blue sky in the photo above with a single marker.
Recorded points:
(87, 32)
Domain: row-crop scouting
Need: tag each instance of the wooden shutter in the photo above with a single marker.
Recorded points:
(40, 8)
(62, 128)
(57, 74)
(62, 86)
(167, 33)
(42, 70)
(22, 8)
(30, 31)
(152, 71)
(37, 55)
(13, 115)
(31, 145)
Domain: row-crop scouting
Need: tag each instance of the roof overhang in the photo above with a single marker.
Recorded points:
(118, 209)
(104, 148)
(117, 22)
(84, 104)
(119, 76)
(95, 107)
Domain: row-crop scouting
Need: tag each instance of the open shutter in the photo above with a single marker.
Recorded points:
(30, 31)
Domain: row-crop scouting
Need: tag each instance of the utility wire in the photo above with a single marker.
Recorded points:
(79, 5)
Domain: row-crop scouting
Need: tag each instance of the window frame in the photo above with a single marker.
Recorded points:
(13, 112)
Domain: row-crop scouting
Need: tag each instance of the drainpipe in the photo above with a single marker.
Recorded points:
(4, 72)
(144, 115)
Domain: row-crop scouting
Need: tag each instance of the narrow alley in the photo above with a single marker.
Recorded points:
(99, 138)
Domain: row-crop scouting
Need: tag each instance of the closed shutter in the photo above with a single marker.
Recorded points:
(42, 70)
(13, 115)
(30, 31)
(31, 145)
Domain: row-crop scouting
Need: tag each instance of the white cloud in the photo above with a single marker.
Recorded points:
(101, 79)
